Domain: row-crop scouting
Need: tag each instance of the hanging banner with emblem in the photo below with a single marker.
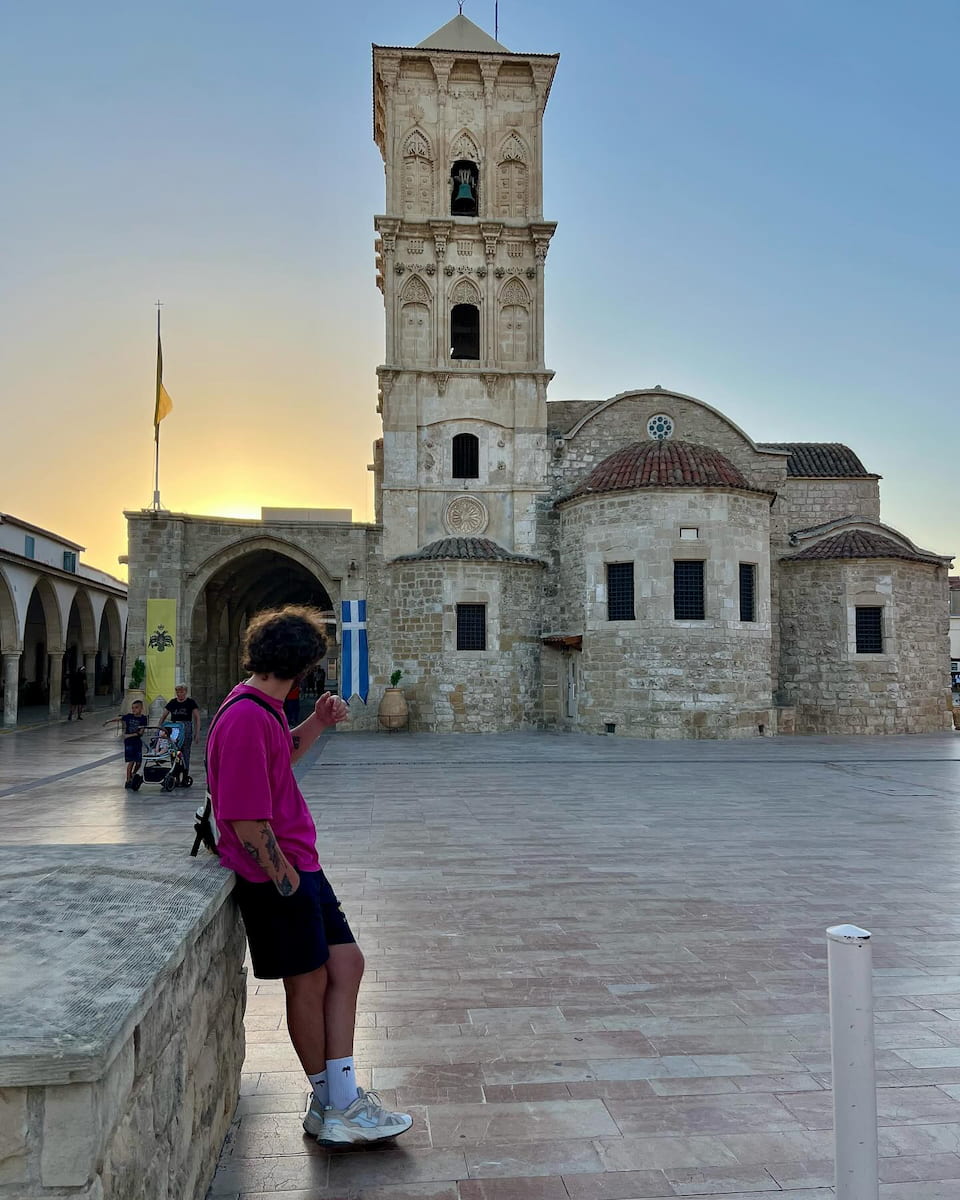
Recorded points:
(355, 665)
(161, 649)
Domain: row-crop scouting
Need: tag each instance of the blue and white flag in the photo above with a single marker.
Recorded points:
(355, 664)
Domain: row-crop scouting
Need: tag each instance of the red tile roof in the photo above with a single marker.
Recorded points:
(478, 549)
(860, 543)
(662, 464)
(823, 460)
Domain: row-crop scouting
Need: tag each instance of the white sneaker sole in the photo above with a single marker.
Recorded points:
(342, 1135)
(312, 1124)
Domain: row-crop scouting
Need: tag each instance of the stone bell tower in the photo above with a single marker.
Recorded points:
(460, 259)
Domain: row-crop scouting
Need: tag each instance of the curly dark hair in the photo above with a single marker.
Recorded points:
(285, 642)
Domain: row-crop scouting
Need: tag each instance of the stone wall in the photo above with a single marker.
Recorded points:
(656, 676)
(808, 502)
(468, 691)
(837, 691)
(623, 420)
(120, 1053)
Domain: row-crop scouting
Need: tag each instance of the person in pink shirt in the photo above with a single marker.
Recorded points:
(295, 927)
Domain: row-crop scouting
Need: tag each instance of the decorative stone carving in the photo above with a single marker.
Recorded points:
(531, 272)
(465, 146)
(490, 383)
(441, 232)
(465, 247)
(415, 246)
(514, 249)
(442, 378)
(449, 269)
(498, 272)
(466, 516)
(415, 289)
(430, 270)
(465, 293)
(481, 272)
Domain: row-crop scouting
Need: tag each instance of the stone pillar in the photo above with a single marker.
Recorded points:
(55, 676)
(90, 662)
(116, 682)
(11, 686)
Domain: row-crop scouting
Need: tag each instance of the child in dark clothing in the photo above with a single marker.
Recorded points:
(133, 723)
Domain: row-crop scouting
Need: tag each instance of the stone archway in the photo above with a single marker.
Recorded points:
(256, 576)
(10, 652)
(110, 649)
(41, 669)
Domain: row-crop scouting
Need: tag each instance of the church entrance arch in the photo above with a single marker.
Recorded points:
(233, 588)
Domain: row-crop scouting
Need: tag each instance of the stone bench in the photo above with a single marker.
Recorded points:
(122, 992)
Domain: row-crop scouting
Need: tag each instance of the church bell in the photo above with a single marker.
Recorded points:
(465, 201)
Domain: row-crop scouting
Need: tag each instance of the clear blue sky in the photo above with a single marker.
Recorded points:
(757, 204)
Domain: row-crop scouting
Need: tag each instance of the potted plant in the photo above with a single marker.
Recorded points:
(138, 673)
(393, 712)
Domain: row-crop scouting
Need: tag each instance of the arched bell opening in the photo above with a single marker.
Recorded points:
(464, 189)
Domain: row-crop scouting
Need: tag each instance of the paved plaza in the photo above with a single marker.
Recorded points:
(596, 967)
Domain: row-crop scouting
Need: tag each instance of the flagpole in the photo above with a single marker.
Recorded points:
(156, 424)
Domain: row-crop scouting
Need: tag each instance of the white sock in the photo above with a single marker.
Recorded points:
(342, 1081)
(319, 1084)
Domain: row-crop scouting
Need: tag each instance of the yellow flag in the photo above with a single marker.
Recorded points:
(164, 404)
(161, 649)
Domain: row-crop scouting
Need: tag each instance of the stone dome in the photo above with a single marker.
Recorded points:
(659, 464)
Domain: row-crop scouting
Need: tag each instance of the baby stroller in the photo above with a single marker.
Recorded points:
(163, 758)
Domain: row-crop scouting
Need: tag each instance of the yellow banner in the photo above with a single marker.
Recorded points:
(161, 649)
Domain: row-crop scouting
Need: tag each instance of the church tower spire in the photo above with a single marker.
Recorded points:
(461, 251)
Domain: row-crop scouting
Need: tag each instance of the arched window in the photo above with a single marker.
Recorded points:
(465, 331)
(464, 189)
(466, 456)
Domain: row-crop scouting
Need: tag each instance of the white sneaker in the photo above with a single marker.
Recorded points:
(313, 1118)
(365, 1120)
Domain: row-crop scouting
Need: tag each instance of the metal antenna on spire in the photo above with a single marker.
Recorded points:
(496, 20)
(460, 5)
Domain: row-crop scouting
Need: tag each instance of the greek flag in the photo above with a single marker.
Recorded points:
(355, 665)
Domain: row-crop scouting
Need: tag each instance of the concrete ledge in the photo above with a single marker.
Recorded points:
(121, 1021)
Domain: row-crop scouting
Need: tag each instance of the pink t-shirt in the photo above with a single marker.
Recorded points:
(251, 779)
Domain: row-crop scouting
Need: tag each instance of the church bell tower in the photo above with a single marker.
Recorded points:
(461, 250)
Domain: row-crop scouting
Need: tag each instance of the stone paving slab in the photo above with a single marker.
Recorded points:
(596, 967)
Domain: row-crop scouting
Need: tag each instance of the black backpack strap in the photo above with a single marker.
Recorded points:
(202, 826)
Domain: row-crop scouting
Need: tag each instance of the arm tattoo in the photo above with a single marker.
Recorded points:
(283, 883)
(296, 742)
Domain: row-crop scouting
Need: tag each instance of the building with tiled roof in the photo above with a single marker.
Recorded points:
(637, 565)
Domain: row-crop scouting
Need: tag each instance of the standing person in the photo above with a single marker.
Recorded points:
(291, 705)
(78, 693)
(134, 722)
(186, 710)
(295, 926)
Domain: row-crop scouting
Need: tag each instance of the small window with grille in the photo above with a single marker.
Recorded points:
(620, 592)
(466, 456)
(471, 627)
(688, 602)
(748, 591)
(869, 624)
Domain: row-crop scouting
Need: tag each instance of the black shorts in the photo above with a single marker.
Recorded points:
(291, 935)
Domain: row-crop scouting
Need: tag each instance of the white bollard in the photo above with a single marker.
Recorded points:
(850, 963)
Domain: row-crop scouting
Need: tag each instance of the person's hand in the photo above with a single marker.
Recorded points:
(330, 710)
